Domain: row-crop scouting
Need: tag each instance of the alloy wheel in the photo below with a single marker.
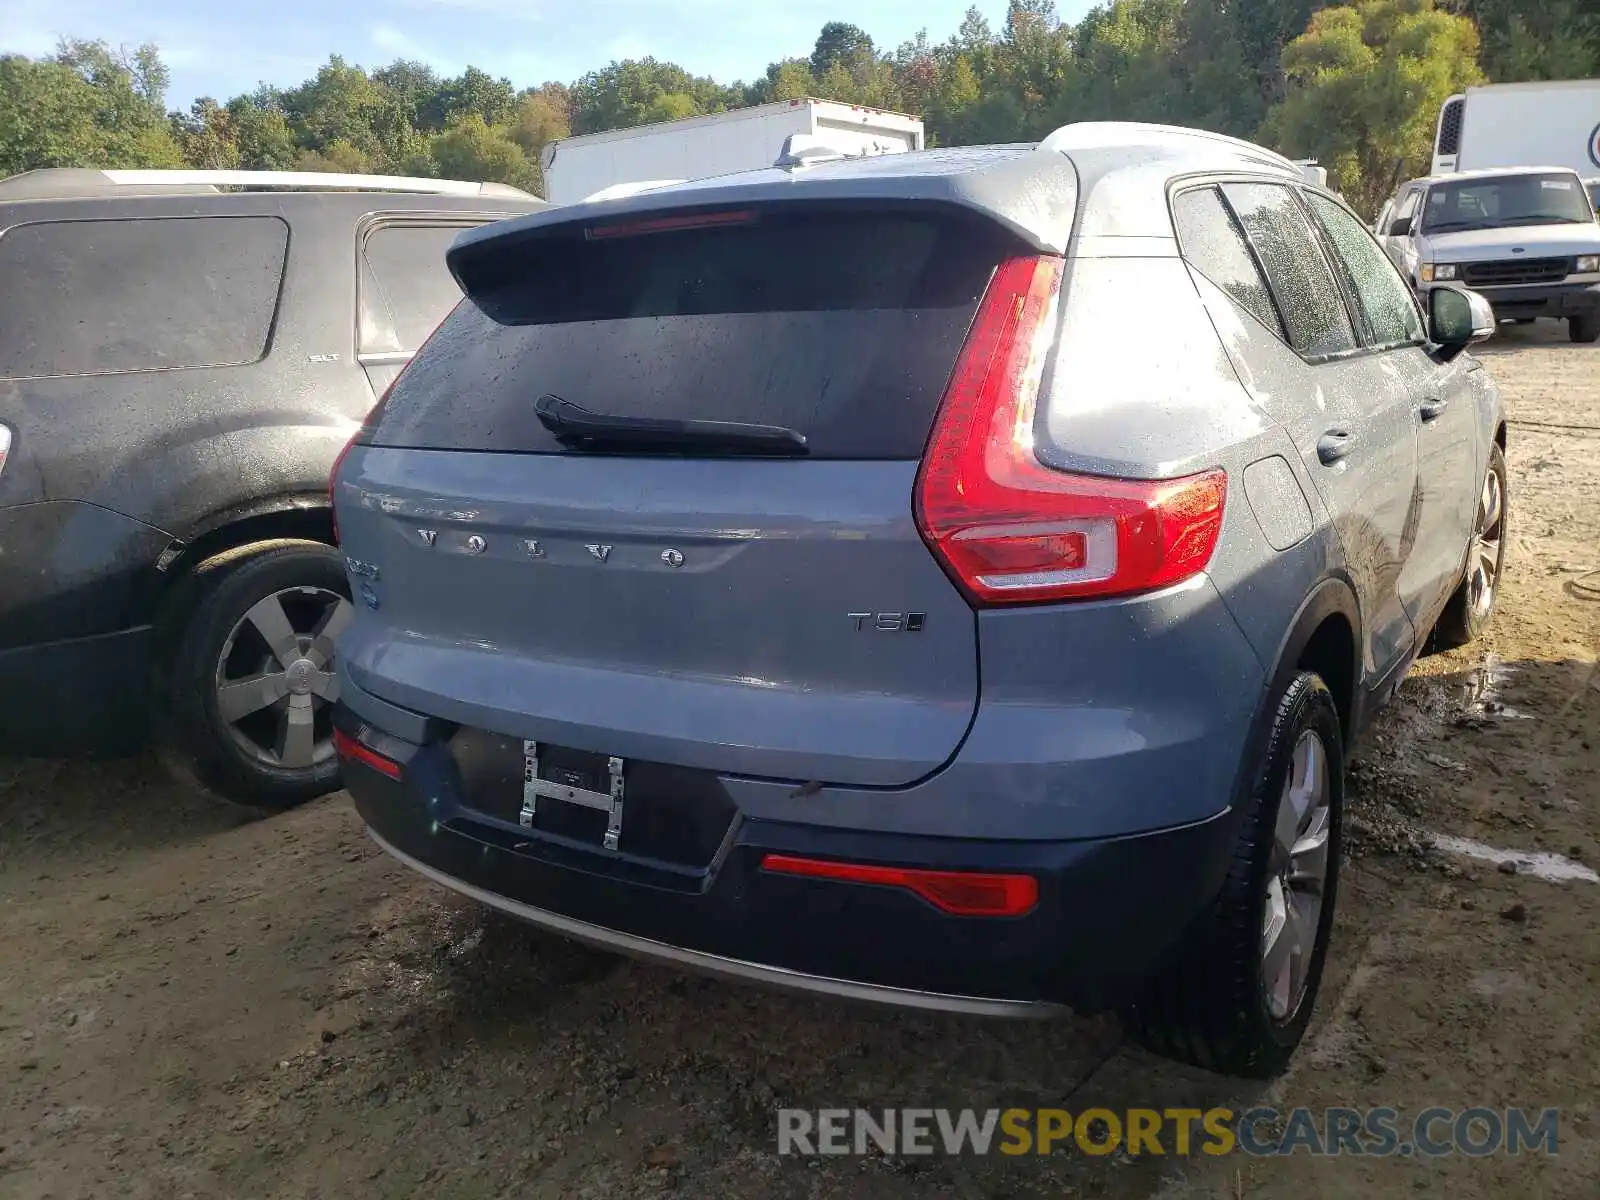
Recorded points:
(1297, 875)
(1484, 570)
(275, 680)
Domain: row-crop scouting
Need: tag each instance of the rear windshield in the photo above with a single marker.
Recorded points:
(841, 326)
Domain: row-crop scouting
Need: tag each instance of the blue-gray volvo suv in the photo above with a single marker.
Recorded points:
(950, 579)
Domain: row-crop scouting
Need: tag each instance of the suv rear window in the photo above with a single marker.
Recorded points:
(841, 326)
(111, 296)
(405, 287)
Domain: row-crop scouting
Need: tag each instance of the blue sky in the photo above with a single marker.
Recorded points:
(224, 47)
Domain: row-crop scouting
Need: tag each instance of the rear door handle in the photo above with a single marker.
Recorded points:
(1334, 445)
(1432, 410)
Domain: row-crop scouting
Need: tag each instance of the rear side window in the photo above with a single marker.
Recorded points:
(841, 326)
(1214, 245)
(406, 288)
(106, 297)
(1390, 317)
(1308, 296)
(1408, 204)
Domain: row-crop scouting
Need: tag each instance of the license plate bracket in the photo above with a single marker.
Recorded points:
(535, 787)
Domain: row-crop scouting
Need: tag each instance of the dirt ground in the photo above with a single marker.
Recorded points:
(197, 1002)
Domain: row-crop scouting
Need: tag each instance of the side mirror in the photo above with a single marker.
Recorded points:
(1458, 318)
(1401, 228)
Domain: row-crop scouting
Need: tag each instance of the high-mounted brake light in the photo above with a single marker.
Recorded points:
(704, 220)
(1007, 528)
(959, 893)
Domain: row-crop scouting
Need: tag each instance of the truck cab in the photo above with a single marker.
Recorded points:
(1527, 238)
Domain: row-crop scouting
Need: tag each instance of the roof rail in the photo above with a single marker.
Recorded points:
(1085, 135)
(66, 181)
(618, 190)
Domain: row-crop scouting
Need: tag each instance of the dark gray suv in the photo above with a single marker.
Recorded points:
(182, 356)
(949, 579)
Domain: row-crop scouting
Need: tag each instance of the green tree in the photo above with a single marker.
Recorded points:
(1263, 28)
(1365, 83)
(343, 104)
(207, 136)
(472, 149)
(338, 156)
(87, 106)
(839, 43)
(265, 141)
(789, 79)
(471, 92)
(1549, 39)
(630, 93)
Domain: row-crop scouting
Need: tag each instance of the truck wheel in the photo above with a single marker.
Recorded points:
(1470, 608)
(1585, 329)
(244, 683)
(1238, 993)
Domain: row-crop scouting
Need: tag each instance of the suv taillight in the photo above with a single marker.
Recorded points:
(1007, 528)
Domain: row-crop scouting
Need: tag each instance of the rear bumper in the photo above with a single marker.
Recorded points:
(1108, 908)
(82, 696)
(1551, 300)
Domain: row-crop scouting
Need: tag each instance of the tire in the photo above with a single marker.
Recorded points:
(1214, 1003)
(1470, 609)
(1585, 330)
(265, 741)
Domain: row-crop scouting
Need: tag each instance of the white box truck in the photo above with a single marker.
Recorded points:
(1521, 125)
(741, 140)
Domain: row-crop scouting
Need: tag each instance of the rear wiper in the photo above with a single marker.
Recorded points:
(574, 425)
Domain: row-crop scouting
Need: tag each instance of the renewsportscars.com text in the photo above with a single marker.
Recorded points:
(1329, 1132)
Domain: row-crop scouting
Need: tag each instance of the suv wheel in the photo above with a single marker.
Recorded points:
(245, 682)
(1472, 605)
(1585, 329)
(1238, 993)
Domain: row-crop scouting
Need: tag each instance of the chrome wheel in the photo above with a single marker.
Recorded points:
(275, 681)
(1297, 874)
(1483, 571)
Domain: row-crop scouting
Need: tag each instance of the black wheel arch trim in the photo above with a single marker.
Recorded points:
(199, 541)
(268, 506)
(1332, 597)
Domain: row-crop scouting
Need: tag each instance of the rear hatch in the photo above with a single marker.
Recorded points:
(740, 588)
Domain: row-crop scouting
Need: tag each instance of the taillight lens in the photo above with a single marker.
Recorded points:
(1010, 530)
(959, 893)
(351, 750)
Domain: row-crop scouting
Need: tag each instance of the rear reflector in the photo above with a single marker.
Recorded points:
(1009, 529)
(710, 220)
(351, 750)
(960, 893)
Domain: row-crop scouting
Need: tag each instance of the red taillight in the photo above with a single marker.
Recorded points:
(960, 893)
(1009, 529)
(644, 225)
(347, 748)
